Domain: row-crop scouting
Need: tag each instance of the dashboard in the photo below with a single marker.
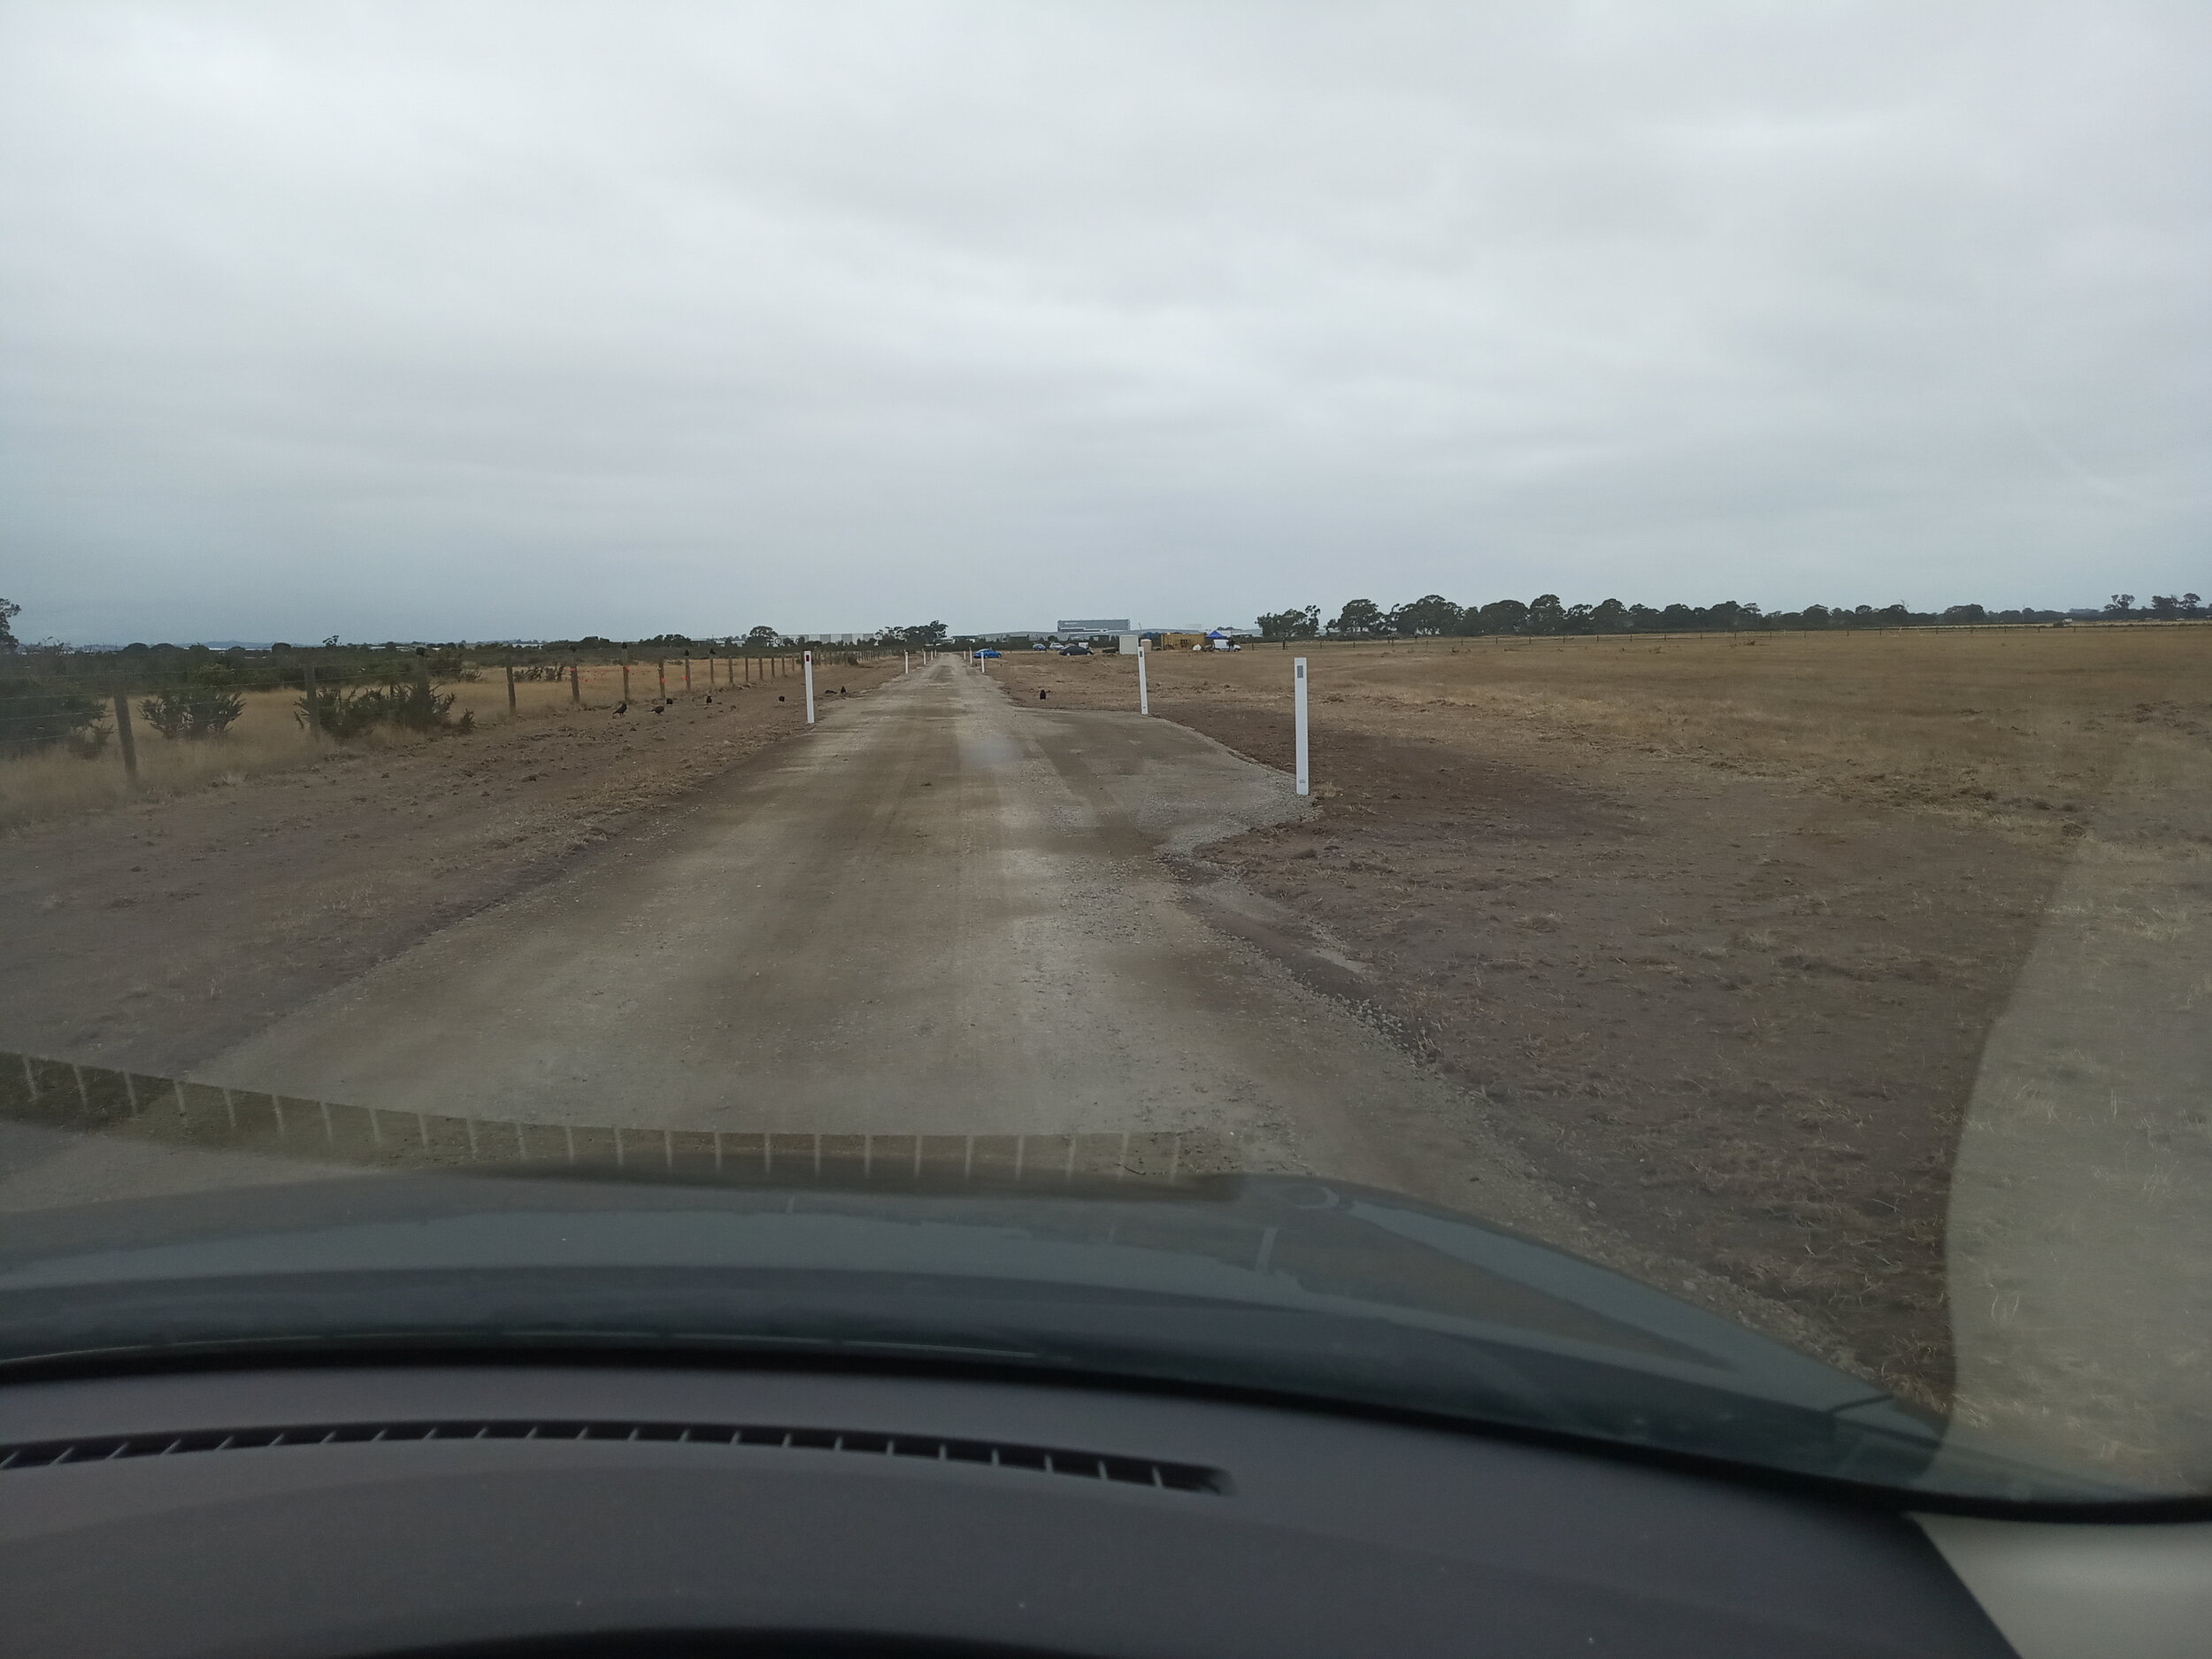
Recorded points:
(623, 1508)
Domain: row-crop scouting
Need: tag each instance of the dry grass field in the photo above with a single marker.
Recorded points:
(2022, 724)
(1717, 927)
(269, 738)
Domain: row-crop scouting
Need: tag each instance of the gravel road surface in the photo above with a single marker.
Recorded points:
(939, 913)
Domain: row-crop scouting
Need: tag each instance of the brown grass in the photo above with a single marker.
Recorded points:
(1727, 931)
(39, 788)
(2024, 725)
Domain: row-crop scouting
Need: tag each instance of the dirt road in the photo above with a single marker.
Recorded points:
(939, 913)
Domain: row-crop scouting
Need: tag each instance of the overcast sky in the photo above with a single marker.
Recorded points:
(487, 320)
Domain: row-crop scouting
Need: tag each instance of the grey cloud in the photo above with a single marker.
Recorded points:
(524, 319)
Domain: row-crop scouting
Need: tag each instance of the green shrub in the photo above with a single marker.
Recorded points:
(34, 717)
(347, 712)
(204, 706)
(343, 712)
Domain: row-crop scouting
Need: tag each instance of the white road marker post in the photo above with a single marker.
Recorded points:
(1298, 705)
(810, 695)
(906, 662)
(1144, 692)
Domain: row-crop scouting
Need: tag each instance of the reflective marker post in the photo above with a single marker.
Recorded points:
(809, 690)
(1144, 692)
(1298, 702)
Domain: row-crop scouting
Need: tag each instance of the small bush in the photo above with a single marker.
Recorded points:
(34, 717)
(90, 742)
(342, 713)
(348, 712)
(204, 706)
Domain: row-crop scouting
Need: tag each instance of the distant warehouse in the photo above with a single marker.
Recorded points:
(1082, 627)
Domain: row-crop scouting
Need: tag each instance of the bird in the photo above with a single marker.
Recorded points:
(623, 707)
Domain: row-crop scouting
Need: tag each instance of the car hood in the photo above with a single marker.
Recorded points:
(1285, 1286)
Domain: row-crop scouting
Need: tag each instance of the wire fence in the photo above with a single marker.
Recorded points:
(96, 709)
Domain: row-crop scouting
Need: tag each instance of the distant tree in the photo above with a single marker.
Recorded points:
(9, 611)
(1359, 616)
(2192, 606)
(1730, 613)
(1546, 615)
(1965, 613)
(1610, 616)
(762, 637)
(1428, 616)
(2121, 605)
(1814, 617)
(2165, 607)
(1291, 625)
(1500, 616)
(919, 636)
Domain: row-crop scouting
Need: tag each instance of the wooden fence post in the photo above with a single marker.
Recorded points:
(510, 689)
(314, 707)
(576, 685)
(687, 673)
(125, 739)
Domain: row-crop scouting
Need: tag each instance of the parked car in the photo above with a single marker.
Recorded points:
(986, 652)
(1075, 650)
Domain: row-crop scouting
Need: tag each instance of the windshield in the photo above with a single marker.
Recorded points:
(1425, 709)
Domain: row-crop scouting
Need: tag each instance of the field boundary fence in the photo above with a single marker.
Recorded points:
(93, 707)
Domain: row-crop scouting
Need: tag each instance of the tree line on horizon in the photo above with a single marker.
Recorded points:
(1433, 616)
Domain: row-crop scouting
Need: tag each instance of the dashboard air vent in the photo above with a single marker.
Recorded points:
(1050, 1460)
